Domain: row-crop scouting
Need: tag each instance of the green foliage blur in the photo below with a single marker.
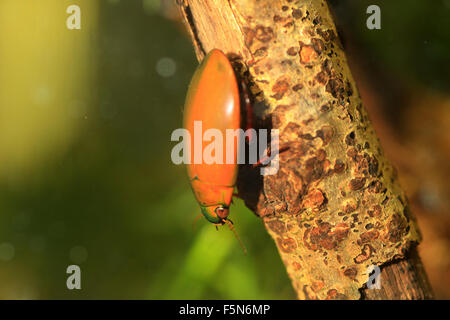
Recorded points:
(413, 42)
(108, 198)
(91, 182)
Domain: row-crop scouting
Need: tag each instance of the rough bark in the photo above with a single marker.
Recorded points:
(334, 208)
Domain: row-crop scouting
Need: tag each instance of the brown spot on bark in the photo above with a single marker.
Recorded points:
(317, 20)
(249, 35)
(321, 154)
(325, 107)
(313, 169)
(325, 133)
(276, 120)
(283, 108)
(357, 183)
(292, 51)
(365, 254)
(314, 199)
(335, 88)
(278, 116)
(368, 236)
(277, 18)
(314, 96)
(375, 212)
(350, 139)
(327, 67)
(286, 62)
(264, 34)
(297, 13)
(351, 272)
(317, 286)
(307, 53)
(309, 293)
(333, 294)
(307, 121)
(293, 189)
(297, 87)
(339, 167)
(289, 24)
(280, 87)
(375, 186)
(307, 136)
(287, 245)
(261, 52)
(321, 77)
(396, 228)
(318, 45)
(277, 226)
(373, 166)
(350, 207)
(351, 152)
(325, 236)
(292, 131)
(349, 89)
(327, 35)
(341, 231)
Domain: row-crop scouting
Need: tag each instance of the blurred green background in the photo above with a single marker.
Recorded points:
(85, 170)
(86, 175)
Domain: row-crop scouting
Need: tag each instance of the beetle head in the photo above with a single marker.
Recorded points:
(216, 213)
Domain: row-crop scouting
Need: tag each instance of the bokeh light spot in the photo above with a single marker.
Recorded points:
(7, 251)
(78, 254)
(166, 67)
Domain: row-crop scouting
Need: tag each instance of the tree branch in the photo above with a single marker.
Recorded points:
(334, 208)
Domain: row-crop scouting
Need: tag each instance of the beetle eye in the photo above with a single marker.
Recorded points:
(222, 212)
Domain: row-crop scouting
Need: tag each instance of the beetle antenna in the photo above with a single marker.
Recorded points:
(233, 229)
(195, 221)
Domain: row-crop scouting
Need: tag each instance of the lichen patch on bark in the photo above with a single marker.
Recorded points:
(334, 183)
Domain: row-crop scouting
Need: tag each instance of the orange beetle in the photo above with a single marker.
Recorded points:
(213, 99)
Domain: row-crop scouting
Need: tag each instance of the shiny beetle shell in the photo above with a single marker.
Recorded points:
(213, 99)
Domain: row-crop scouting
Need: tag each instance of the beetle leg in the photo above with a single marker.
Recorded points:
(245, 100)
(267, 156)
(231, 226)
(195, 221)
